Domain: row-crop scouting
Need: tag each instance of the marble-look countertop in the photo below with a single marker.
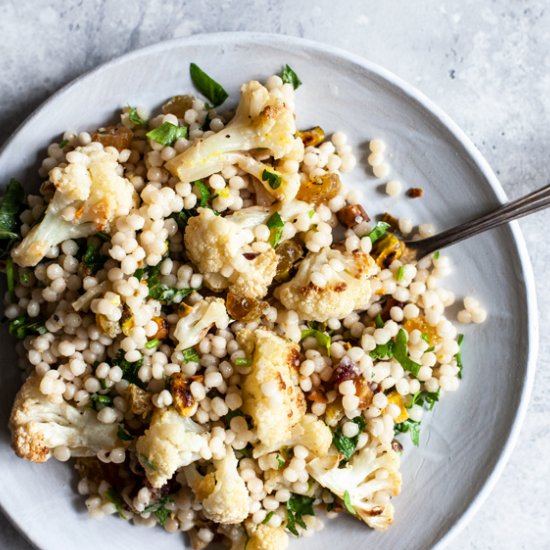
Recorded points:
(486, 63)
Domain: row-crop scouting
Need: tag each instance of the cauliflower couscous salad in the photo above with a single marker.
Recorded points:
(211, 325)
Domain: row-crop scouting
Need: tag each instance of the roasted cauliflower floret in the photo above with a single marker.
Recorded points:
(271, 395)
(223, 493)
(313, 434)
(89, 194)
(262, 121)
(372, 472)
(203, 316)
(39, 426)
(170, 443)
(348, 287)
(262, 537)
(214, 242)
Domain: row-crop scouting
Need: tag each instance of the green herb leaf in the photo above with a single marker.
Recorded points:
(323, 339)
(246, 452)
(380, 229)
(105, 237)
(347, 503)
(297, 507)
(149, 465)
(159, 509)
(203, 193)
(63, 143)
(288, 76)
(311, 213)
(93, 259)
(207, 86)
(135, 119)
(116, 499)
(275, 224)
(190, 355)
(280, 461)
(24, 326)
(273, 179)
(425, 399)
(426, 338)
(100, 399)
(183, 217)
(378, 321)
(400, 273)
(231, 415)
(242, 361)
(123, 434)
(458, 355)
(10, 207)
(24, 277)
(436, 255)
(151, 344)
(10, 277)
(383, 351)
(411, 426)
(347, 445)
(129, 370)
(167, 133)
(164, 293)
(268, 517)
(400, 353)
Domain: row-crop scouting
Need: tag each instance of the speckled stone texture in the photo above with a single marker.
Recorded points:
(486, 63)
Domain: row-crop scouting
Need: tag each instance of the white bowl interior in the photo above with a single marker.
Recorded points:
(462, 443)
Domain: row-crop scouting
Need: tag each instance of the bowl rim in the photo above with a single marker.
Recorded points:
(264, 39)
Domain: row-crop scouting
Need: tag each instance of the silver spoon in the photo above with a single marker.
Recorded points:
(533, 202)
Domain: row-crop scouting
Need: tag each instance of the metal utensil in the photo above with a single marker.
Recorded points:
(533, 202)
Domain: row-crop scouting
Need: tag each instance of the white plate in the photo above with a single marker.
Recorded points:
(464, 448)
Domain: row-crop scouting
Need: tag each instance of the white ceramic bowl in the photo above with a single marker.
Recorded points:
(465, 445)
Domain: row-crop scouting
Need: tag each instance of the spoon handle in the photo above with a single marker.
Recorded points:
(533, 202)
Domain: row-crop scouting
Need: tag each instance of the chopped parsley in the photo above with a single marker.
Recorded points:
(129, 370)
(93, 259)
(458, 355)
(151, 344)
(436, 255)
(24, 326)
(190, 355)
(167, 133)
(275, 225)
(24, 277)
(378, 321)
(183, 217)
(280, 461)
(116, 499)
(147, 463)
(347, 503)
(272, 178)
(411, 426)
(268, 517)
(425, 399)
(203, 193)
(10, 277)
(123, 434)
(159, 510)
(288, 76)
(323, 339)
(135, 119)
(380, 229)
(207, 86)
(383, 351)
(347, 445)
(63, 143)
(100, 399)
(400, 273)
(165, 293)
(400, 353)
(231, 415)
(242, 362)
(297, 507)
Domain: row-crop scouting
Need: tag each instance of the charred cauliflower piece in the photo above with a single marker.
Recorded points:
(89, 194)
(262, 121)
(223, 493)
(348, 287)
(373, 470)
(213, 242)
(192, 328)
(39, 426)
(274, 372)
(262, 537)
(171, 442)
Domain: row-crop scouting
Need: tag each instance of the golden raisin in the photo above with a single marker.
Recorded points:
(420, 323)
(351, 215)
(183, 399)
(289, 253)
(387, 249)
(139, 401)
(244, 309)
(320, 189)
(312, 137)
(177, 105)
(119, 137)
(162, 328)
